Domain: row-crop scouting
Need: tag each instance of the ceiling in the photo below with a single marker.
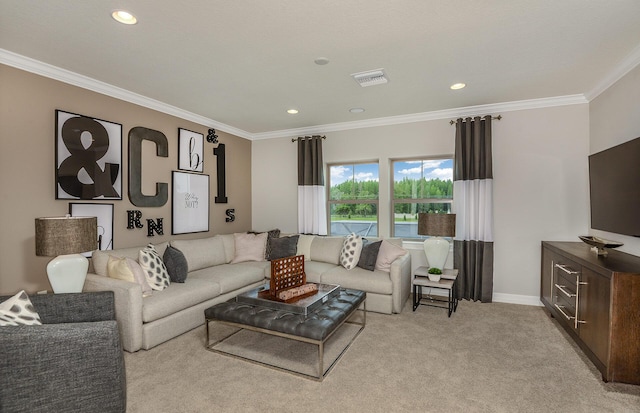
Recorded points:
(242, 64)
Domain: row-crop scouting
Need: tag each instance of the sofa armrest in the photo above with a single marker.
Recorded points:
(128, 303)
(74, 307)
(72, 367)
(400, 274)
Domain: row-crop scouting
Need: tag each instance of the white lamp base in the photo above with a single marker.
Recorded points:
(67, 273)
(437, 250)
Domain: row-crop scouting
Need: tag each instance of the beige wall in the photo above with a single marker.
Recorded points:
(540, 183)
(614, 118)
(27, 121)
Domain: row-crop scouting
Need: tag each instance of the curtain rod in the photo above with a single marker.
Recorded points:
(314, 136)
(452, 122)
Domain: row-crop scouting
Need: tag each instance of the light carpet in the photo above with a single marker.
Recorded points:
(485, 358)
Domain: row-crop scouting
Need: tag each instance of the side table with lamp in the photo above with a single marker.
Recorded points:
(64, 238)
(436, 250)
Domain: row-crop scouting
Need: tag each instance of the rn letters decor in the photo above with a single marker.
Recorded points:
(189, 203)
(88, 157)
(104, 213)
(190, 150)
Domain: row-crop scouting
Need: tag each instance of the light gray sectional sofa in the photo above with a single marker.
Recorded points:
(212, 278)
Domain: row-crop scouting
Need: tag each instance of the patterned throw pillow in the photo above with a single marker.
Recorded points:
(154, 268)
(18, 310)
(351, 250)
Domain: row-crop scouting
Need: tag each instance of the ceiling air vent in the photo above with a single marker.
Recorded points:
(370, 78)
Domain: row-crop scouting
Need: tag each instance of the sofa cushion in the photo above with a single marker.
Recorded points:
(387, 254)
(177, 297)
(351, 249)
(315, 269)
(100, 258)
(155, 270)
(304, 246)
(202, 253)
(128, 269)
(230, 277)
(249, 247)
(377, 282)
(326, 249)
(176, 264)
(369, 255)
(18, 310)
(283, 247)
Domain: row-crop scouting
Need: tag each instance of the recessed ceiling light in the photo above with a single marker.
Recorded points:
(124, 17)
(457, 86)
(356, 110)
(292, 111)
(321, 61)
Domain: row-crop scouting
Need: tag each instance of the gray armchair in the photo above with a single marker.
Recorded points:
(71, 363)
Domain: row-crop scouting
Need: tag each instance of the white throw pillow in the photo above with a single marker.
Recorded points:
(249, 247)
(387, 254)
(351, 250)
(18, 310)
(304, 246)
(154, 268)
(128, 269)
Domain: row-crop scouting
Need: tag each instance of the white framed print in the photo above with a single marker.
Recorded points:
(190, 150)
(104, 213)
(189, 203)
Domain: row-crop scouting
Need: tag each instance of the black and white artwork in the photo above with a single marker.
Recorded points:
(190, 150)
(88, 157)
(104, 213)
(189, 203)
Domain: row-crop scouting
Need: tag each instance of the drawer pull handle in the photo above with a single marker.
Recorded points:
(564, 268)
(567, 293)
(568, 317)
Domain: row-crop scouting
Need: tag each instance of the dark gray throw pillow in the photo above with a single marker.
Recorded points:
(369, 255)
(176, 264)
(283, 247)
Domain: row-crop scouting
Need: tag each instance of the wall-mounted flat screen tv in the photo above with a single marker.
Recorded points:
(614, 183)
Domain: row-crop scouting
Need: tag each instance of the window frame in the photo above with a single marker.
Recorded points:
(393, 201)
(331, 202)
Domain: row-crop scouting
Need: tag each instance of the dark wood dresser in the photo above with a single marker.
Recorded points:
(596, 299)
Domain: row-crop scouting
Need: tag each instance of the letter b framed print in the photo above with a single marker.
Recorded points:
(190, 150)
(88, 157)
(189, 203)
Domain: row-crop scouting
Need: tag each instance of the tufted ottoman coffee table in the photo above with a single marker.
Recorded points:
(314, 327)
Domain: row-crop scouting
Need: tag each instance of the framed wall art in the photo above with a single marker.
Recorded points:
(190, 150)
(88, 157)
(104, 213)
(189, 203)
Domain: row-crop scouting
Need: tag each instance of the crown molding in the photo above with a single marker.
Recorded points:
(75, 79)
(427, 116)
(625, 66)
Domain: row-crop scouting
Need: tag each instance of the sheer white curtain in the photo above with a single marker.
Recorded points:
(312, 200)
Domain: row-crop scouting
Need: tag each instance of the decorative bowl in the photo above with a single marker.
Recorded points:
(600, 243)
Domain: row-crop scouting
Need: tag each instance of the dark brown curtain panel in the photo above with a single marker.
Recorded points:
(473, 206)
(312, 203)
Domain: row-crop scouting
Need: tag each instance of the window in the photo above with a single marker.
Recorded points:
(353, 199)
(419, 185)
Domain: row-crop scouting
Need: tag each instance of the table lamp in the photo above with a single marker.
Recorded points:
(436, 248)
(64, 238)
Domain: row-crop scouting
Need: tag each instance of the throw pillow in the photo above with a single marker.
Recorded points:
(388, 254)
(128, 269)
(154, 268)
(249, 247)
(18, 310)
(274, 233)
(369, 255)
(351, 249)
(283, 247)
(304, 246)
(176, 264)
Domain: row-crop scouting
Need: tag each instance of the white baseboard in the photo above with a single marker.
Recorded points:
(517, 299)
